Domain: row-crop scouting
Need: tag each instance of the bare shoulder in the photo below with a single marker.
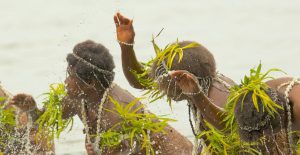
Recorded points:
(280, 84)
(122, 95)
(274, 83)
(226, 79)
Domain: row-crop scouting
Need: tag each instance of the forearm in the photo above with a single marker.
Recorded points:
(210, 112)
(129, 64)
(68, 108)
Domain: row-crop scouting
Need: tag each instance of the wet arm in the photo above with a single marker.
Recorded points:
(210, 112)
(125, 37)
(129, 64)
(68, 108)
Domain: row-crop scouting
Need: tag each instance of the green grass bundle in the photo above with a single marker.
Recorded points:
(7, 123)
(222, 143)
(255, 83)
(168, 54)
(228, 141)
(133, 126)
(165, 56)
(51, 120)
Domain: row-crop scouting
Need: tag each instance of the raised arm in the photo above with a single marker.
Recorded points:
(190, 87)
(125, 36)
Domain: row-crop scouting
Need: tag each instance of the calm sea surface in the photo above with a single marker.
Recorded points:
(36, 35)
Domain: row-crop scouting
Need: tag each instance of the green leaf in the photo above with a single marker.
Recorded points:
(50, 122)
(133, 124)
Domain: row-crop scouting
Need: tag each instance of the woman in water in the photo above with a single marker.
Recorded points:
(195, 79)
(89, 83)
(21, 138)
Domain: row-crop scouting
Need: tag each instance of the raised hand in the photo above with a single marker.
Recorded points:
(23, 101)
(125, 31)
(186, 81)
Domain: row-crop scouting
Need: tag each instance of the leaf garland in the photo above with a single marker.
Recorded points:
(222, 143)
(255, 83)
(133, 126)
(228, 141)
(51, 120)
(166, 57)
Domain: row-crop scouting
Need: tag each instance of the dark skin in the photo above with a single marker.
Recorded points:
(186, 81)
(165, 144)
(25, 103)
(217, 93)
(294, 97)
(123, 96)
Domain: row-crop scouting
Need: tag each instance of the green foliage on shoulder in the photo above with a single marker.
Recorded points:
(51, 120)
(254, 83)
(133, 126)
(222, 143)
(164, 56)
(228, 141)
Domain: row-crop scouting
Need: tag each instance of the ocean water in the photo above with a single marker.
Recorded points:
(36, 36)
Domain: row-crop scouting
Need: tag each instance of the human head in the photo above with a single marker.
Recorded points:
(90, 72)
(252, 124)
(196, 60)
(89, 66)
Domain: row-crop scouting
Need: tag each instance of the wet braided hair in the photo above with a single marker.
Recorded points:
(253, 124)
(92, 61)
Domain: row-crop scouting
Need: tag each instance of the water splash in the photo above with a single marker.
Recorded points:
(265, 143)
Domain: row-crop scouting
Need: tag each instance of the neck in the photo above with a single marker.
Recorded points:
(92, 100)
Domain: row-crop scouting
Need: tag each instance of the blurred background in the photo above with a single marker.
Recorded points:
(36, 35)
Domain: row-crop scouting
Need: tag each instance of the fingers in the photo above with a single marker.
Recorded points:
(23, 101)
(176, 74)
(116, 20)
(183, 77)
(20, 98)
(121, 20)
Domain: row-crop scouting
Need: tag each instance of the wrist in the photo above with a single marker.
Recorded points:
(125, 47)
(125, 43)
(194, 92)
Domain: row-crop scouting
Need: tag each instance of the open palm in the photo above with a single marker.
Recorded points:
(125, 31)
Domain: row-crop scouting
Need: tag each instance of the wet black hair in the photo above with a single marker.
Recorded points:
(99, 58)
(252, 124)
